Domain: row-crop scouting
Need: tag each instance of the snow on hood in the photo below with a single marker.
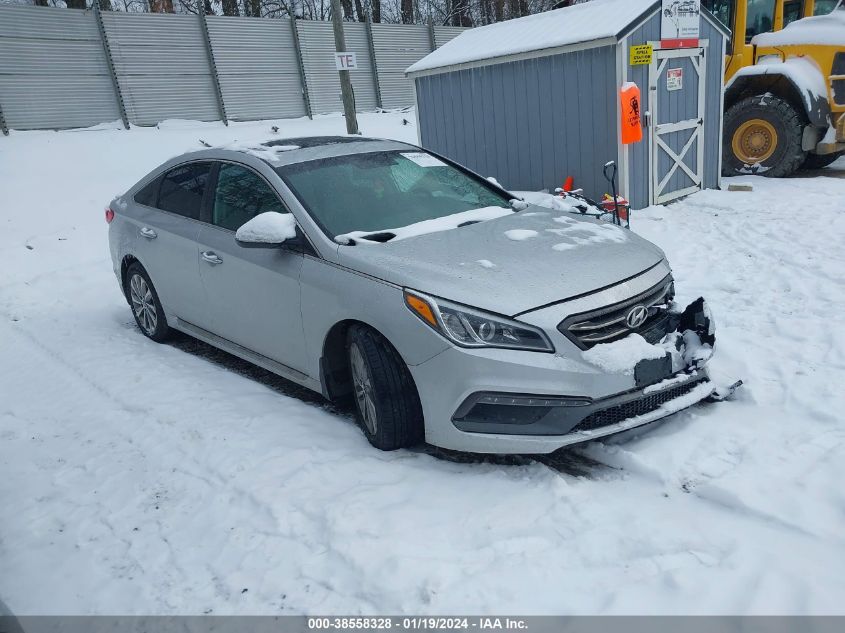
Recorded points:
(585, 22)
(479, 265)
(821, 30)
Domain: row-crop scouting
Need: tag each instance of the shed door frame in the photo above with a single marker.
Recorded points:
(657, 185)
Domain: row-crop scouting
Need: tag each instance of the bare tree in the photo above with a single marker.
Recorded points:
(230, 7)
(407, 9)
(161, 6)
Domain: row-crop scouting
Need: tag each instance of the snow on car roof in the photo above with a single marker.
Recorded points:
(823, 30)
(586, 22)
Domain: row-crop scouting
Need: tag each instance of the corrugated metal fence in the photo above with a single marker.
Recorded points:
(63, 68)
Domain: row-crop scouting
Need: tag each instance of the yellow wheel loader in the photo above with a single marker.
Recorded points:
(784, 85)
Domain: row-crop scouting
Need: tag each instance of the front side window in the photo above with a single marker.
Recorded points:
(761, 18)
(241, 194)
(182, 189)
(378, 191)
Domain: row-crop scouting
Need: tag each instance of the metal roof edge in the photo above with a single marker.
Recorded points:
(644, 17)
(515, 57)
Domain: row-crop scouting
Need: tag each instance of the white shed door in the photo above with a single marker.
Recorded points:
(676, 103)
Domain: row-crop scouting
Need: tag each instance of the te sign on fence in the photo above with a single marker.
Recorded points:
(680, 23)
(346, 61)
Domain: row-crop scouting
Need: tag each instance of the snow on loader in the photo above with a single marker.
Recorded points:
(784, 85)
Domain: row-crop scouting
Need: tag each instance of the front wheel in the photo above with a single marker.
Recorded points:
(763, 136)
(387, 405)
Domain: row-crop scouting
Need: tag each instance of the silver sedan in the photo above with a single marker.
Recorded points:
(442, 307)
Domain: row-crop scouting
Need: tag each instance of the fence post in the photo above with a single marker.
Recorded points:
(373, 60)
(432, 37)
(298, 46)
(211, 64)
(110, 63)
(3, 125)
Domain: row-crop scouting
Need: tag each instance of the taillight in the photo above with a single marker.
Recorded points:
(109, 215)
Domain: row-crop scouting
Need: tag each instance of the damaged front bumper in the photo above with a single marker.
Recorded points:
(664, 385)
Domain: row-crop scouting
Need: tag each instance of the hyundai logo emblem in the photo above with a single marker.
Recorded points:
(636, 317)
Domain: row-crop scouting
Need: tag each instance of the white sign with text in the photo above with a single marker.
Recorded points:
(681, 23)
(346, 61)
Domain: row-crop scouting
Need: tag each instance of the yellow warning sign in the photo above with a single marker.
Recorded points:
(641, 55)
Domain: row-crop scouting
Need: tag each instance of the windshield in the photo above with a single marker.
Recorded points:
(384, 190)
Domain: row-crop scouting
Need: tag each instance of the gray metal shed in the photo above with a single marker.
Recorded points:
(536, 99)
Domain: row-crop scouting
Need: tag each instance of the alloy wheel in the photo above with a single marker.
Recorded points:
(143, 304)
(363, 385)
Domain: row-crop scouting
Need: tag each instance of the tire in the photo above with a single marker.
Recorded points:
(144, 303)
(387, 405)
(817, 161)
(763, 136)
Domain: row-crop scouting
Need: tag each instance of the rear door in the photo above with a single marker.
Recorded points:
(253, 293)
(168, 227)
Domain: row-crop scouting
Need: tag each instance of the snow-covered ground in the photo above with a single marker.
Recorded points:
(144, 478)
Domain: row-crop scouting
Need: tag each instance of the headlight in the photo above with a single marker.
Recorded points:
(469, 327)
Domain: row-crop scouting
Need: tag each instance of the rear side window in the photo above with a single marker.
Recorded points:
(241, 195)
(148, 195)
(182, 189)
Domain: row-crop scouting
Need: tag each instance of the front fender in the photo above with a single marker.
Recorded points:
(798, 80)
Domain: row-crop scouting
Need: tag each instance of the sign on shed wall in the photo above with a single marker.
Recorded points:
(680, 23)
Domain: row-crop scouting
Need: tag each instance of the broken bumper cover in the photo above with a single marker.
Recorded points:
(663, 386)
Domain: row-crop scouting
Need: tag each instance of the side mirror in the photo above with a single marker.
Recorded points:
(267, 230)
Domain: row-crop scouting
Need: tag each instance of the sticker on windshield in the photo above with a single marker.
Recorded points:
(424, 160)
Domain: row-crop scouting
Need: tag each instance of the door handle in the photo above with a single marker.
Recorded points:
(148, 233)
(211, 257)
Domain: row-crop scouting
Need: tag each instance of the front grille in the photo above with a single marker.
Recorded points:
(641, 406)
(608, 324)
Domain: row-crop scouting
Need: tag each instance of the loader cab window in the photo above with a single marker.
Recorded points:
(761, 18)
(723, 10)
(792, 11)
(823, 7)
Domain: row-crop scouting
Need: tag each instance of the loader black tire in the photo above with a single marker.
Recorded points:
(767, 127)
(395, 419)
(818, 161)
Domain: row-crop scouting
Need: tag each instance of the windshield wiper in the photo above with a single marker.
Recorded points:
(384, 236)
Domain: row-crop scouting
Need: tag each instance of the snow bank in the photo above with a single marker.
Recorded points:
(592, 20)
(268, 228)
(426, 226)
(822, 30)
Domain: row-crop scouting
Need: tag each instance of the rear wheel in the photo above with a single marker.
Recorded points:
(763, 136)
(818, 161)
(146, 308)
(386, 402)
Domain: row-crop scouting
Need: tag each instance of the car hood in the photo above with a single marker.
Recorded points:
(512, 264)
